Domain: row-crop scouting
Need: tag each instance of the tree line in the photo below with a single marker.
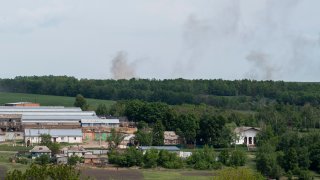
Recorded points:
(237, 94)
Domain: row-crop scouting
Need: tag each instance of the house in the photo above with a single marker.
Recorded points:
(38, 151)
(74, 151)
(171, 138)
(144, 149)
(57, 135)
(246, 135)
(91, 159)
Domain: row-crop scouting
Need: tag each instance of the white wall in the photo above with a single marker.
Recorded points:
(37, 140)
(249, 133)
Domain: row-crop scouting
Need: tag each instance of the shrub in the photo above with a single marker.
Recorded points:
(237, 158)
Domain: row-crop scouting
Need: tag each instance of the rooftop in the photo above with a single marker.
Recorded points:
(168, 148)
(43, 149)
(100, 121)
(244, 128)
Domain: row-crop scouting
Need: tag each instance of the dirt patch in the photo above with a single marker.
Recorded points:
(197, 173)
(3, 172)
(114, 174)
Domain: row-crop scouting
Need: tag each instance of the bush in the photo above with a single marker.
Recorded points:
(42, 160)
(238, 158)
(224, 157)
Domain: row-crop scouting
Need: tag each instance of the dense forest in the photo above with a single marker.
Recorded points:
(238, 94)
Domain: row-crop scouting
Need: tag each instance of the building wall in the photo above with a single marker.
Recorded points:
(14, 136)
(36, 140)
(249, 133)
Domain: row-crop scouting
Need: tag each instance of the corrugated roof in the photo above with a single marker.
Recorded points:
(53, 132)
(43, 149)
(168, 148)
(82, 113)
(39, 109)
(53, 117)
(100, 121)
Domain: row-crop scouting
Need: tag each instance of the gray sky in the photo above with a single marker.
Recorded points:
(228, 39)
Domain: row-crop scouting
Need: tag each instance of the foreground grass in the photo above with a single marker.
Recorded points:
(177, 174)
(8, 166)
(47, 100)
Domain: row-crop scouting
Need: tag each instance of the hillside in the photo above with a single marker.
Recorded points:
(47, 100)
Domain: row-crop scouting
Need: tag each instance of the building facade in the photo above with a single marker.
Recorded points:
(246, 135)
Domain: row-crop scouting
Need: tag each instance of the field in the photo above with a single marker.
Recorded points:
(47, 100)
(5, 165)
(154, 174)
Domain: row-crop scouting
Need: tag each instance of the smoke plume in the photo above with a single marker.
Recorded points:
(121, 68)
(266, 38)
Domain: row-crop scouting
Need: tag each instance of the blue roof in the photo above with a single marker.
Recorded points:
(168, 148)
(53, 132)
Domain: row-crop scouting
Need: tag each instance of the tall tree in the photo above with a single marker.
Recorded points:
(114, 139)
(102, 110)
(81, 102)
(158, 134)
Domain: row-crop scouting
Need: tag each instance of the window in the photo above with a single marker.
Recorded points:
(62, 138)
(75, 138)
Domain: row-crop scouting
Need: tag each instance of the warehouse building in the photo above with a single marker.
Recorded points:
(33, 136)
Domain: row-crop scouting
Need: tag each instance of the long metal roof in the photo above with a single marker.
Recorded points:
(168, 148)
(39, 109)
(53, 132)
(40, 118)
(100, 121)
(82, 113)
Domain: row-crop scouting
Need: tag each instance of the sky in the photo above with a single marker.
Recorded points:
(161, 39)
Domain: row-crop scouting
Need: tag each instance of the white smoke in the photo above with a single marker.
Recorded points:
(121, 68)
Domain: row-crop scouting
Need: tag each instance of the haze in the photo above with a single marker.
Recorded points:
(102, 39)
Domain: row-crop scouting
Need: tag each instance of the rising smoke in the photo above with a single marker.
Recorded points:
(266, 39)
(121, 68)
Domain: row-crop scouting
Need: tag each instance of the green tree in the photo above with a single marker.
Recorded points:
(239, 174)
(150, 158)
(81, 102)
(237, 158)
(114, 139)
(73, 160)
(224, 157)
(45, 140)
(102, 110)
(36, 172)
(143, 138)
(158, 134)
(42, 160)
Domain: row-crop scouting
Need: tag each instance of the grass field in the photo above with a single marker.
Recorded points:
(177, 174)
(47, 100)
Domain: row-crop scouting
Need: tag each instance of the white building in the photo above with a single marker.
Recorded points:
(57, 135)
(246, 135)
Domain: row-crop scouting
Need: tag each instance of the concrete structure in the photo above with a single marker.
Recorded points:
(58, 135)
(246, 135)
(127, 141)
(38, 151)
(2, 136)
(74, 151)
(170, 138)
(10, 122)
(62, 159)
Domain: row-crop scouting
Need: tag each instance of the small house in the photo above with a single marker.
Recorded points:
(74, 151)
(91, 159)
(171, 138)
(38, 151)
(246, 135)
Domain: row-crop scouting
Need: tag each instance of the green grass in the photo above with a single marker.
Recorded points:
(4, 162)
(177, 174)
(8, 147)
(47, 100)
